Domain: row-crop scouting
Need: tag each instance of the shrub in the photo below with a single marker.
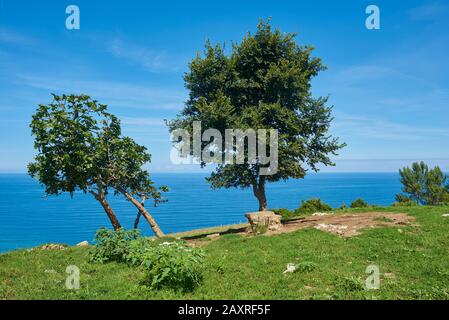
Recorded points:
(312, 206)
(359, 203)
(112, 245)
(284, 213)
(351, 284)
(306, 266)
(403, 201)
(167, 264)
(173, 265)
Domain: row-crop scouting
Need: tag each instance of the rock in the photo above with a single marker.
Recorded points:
(290, 268)
(264, 218)
(319, 214)
(213, 236)
(83, 244)
(53, 246)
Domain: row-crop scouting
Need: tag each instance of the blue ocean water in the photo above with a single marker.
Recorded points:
(28, 219)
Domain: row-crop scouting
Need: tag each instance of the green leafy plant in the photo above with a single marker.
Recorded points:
(312, 206)
(351, 284)
(173, 265)
(404, 201)
(359, 203)
(264, 82)
(286, 214)
(306, 266)
(113, 245)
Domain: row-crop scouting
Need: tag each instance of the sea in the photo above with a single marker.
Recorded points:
(28, 218)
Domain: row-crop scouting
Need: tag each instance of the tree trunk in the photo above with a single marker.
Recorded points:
(157, 231)
(107, 208)
(259, 192)
(136, 222)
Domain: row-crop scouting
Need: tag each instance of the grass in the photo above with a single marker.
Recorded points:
(413, 262)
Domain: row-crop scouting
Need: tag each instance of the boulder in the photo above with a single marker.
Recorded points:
(264, 219)
(83, 244)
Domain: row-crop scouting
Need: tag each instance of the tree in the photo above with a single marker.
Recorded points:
(264, 83)
(66, 135)
(81, 147)
(123, 160)
(423, 186)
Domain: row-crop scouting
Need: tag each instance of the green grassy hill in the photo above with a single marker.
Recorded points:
(413, 261)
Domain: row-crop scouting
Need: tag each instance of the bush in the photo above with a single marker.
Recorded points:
(284, 213)
(351, 284)
(167, 264)
(112, 245)
(312, 206)
(403, 201)
(173, 265)
(306, 266)
(359, 203)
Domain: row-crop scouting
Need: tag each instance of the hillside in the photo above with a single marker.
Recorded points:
(412, 259)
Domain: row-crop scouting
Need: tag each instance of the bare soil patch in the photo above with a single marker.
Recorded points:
(343, 225)
(347, 225)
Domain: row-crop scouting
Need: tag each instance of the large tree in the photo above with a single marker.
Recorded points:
(263, 83)
(80, 147)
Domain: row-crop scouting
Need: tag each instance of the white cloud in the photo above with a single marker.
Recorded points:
(113, 93)
(429, 11)
(151, 60)
(15, 38)
(377, 128)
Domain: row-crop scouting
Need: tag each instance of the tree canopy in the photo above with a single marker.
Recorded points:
(263, 83)
(80, 147)
(423, 185)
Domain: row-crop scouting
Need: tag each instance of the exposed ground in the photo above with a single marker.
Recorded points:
(344, 225)
(347, 225)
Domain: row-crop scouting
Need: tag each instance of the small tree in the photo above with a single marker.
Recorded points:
(124, 159)
(81, 148)
(264, 83)
(66, 135)
(423, 185)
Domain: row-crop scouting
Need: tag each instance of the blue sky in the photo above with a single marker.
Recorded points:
(389, 87)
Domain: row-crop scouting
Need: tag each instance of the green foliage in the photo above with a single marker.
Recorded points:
(66, 135)
(264, 83)
(113, 245)
(404, 201)
(306, 266)
(423, 185)
(351, 284)
(286, 214)
(312, 206)
(174, 265)
(167, 264)
(243, 268)
(80, 147)
(359, 203)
